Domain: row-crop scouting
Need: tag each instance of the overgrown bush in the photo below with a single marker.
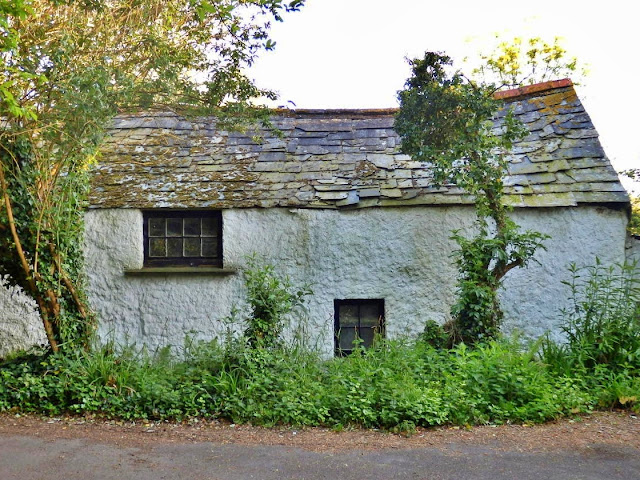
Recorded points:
(602, 326)
(394, 385)
(435, 335)
(397, 385)
(271, 297)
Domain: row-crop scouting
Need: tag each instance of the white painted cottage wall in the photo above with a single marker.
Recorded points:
(20, 324)
(399, 254)
(633, 249)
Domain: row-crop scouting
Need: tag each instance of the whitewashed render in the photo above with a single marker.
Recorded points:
(20, 325)
(399, 254)
(334, 204)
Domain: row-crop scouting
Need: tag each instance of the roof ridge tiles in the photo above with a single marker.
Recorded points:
(536, 88)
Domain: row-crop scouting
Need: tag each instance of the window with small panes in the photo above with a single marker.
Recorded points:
(183, 238)
(358, 322)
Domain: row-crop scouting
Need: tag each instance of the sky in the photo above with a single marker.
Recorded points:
(352, 54)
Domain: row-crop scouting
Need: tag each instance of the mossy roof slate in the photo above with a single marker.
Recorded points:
(343, 158)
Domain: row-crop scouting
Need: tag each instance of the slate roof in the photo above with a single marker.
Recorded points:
(343, 158)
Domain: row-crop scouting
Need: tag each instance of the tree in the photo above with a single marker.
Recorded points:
(634, 222)
(524, 61)
(446, 119)
(67, 68)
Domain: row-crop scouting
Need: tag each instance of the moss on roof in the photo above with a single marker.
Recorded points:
(340, 158)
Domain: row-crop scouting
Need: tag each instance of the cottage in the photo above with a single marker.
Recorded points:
(177, 205)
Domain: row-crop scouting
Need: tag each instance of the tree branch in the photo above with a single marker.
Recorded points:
(48, 327)
(500, 272)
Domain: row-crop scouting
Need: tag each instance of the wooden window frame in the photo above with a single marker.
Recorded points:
(379, 302)
(211, 261)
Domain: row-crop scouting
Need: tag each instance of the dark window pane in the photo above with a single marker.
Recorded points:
(191, 247)
(156, 227)
(346, 337)
(209, 247)
(348, 315)
(174, 227)
(369, 314)
(359, 320)
(157, 247)
(366, 334)
(174, 247)
(192, 227)
(209, 227)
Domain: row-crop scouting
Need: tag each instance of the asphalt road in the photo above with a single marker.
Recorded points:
(25, 457)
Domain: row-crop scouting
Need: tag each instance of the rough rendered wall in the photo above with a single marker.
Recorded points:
(532, 298)
(633, 249)
(399, 254)
(20, 324)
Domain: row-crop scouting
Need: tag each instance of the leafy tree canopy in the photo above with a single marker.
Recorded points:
(67, 67)
(446, 119)
(521, 61)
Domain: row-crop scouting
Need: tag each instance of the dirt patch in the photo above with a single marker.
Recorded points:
(582, 433)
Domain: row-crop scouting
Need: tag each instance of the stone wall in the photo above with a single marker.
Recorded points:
(399, 254)
(20, 324)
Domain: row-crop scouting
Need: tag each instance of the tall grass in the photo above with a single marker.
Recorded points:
(396, 385)
(393, 384)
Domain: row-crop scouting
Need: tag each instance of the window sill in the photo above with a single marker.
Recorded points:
(180, 271)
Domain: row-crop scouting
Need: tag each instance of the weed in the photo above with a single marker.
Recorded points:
(271, 298)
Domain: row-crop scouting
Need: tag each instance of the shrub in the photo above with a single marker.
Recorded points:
(435, 335)
(394, 385)
(602, 326)
(271, 298)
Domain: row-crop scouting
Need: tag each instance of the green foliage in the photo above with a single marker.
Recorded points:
(517, 61)
(446, 119)
(602, 327)
(271, 298)
(69, 67)
(503, 383)
(49, 227)
(482, 262)
(634, 222)
(395, 385)
(435, 335)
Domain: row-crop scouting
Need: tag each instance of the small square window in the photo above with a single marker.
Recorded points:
(183, 238)
(357, 322)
